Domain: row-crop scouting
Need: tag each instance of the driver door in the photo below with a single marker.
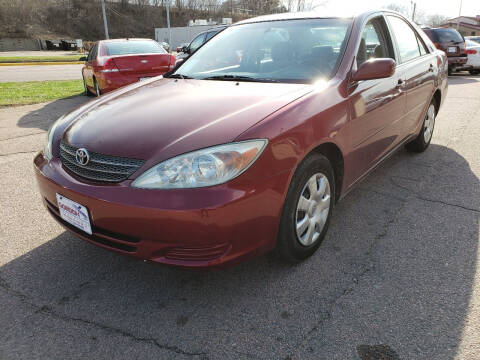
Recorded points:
(376, 106)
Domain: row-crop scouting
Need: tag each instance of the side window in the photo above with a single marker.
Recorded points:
(375, 42)
(92, 55)
(210, 35)
(196, 43)
(421, 45)
(406, 39)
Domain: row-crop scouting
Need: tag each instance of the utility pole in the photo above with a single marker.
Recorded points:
(459, 13)
(167, 6)
(414, 8)
(105, 20)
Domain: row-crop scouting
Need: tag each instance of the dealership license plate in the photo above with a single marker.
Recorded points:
(144, 78)
(452, 49)
(74, 213)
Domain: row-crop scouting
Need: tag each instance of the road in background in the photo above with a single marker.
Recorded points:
(397, 276)
(40, 72)
(39, 53)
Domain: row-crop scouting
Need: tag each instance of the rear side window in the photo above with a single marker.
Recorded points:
(134, 47)
(92, 55)
(406, 39)
(210, 35)
(196, 43)
(422, 46)
(448, 35)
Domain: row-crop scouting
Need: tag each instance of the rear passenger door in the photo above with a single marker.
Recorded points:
(419, 66)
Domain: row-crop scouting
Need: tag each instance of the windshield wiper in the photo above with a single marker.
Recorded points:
(179, 76)
(237, 78)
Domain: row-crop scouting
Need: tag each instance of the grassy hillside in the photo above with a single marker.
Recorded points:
(126, 18)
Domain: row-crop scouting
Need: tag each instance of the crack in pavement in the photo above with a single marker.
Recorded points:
(22, 136)
(419, 197)
(20, 152)
(356, 277)
(48, 311)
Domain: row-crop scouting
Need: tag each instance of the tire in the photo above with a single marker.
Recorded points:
(87, 91)
(450, 71)
(294, 243)
(422, 141)
(97, 89)
(474, 72)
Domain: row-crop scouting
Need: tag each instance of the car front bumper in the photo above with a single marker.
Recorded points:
(202, 227)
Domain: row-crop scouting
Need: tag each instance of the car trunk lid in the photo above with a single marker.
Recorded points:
(144, 64)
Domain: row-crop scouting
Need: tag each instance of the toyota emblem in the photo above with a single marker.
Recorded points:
(82, 156)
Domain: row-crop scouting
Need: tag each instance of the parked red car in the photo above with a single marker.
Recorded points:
(219, 161)
(115, 63)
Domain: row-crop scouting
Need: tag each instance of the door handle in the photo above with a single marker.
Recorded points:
(400, 84)
(430, 68)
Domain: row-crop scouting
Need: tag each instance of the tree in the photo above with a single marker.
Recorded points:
(436, 20)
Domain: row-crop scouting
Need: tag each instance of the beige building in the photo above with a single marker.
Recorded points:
(467, 25)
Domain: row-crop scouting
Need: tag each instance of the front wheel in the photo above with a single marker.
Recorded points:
(423, 139)
(474, 72)
(307, 209)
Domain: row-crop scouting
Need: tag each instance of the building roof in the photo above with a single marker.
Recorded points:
(461, 23)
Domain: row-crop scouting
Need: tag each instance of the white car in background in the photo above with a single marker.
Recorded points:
(473, 54)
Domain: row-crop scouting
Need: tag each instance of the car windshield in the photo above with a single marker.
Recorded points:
(134, 47)
(278, 51)
(448, 35)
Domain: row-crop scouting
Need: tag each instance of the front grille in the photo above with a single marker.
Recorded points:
(103, 168)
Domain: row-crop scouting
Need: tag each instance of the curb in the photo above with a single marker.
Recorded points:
(43, 63)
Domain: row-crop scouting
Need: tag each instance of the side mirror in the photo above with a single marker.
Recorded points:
(375, 69)
(83, 58)
(186, 49)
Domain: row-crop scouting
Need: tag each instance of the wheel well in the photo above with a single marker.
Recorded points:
(334, 155)
(437, 97)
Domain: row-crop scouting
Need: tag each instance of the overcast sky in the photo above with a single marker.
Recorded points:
(444, 7)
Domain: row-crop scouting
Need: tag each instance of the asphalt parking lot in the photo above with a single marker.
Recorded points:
(397, 275)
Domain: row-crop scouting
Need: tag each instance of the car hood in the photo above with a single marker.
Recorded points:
(167, 117)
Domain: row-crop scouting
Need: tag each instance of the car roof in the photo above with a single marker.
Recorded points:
(124, 39)
(314, 15)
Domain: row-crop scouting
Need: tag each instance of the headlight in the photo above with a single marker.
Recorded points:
(47, 150)
(206, 167)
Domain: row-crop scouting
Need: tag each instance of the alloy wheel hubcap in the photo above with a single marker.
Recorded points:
(429, 124)
(312, 209)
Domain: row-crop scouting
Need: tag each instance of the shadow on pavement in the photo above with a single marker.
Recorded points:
(44, 117)
(390, 278)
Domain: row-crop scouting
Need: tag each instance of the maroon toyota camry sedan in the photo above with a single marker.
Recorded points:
(249, 144)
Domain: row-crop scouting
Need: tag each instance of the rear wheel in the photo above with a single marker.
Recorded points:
(307, 210)
(474, 72)
(97, 89)
(423, 139)
(87, 91)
